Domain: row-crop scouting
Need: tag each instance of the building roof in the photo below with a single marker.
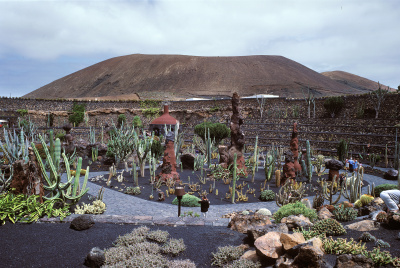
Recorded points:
(165, 118)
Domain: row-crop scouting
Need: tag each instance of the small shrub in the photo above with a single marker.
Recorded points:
(133, 190)
(294, 209)
(226, 254)
(78, 114)
(137, 122)
(334, 105)
(243, 263)
(129, 239)
(146, 261)
(144, 247)
(218, 131)
(60, 136)
(181, 264)
(121, 120)
(343, 213)
(22, 112)
(158, 236)
(383, 187)
(173, 246)
(267, 195)
(188, 201)
(329, 227)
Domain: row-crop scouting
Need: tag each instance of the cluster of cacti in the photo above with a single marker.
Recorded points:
(366, 237)
(15, 146)
(267, 195)
(381, 258)
(342, 246)
(364, 200)
(121, 143)
(133, 190)
(343, 213)
(319, 165)
(382, 217)
(97, 207)
(352, 186)
(294, 209)
(226, 255)
(142, 147)
(269, 165)
(234, 178)
(290, 193)
(382, 244)
(330, 189)
(307, 167)
(330, 227)
(70, 190)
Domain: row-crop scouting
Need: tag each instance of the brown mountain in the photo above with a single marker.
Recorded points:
(178, 76)
(354, 81)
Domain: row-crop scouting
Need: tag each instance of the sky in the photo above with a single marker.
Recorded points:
(42, 41)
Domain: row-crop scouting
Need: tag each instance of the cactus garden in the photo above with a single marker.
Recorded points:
(298, 190)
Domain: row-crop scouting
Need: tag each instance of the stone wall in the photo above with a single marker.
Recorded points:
(278, 116)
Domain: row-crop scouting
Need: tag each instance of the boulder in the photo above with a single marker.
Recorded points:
(187, 161)
(242, 223)
(285, 261)
(309, 253)
(363, 226)
(324, 213)
(82, 222)
(269, 246)
(82, 148)
(294, 222)
(391, 174)
(290, 240)
(95, 258)
(251, 255)
(257, 231)
(353, 261)
(393, 220)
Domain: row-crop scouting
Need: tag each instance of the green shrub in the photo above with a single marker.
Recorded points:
(218, 131)
(157, 149)
(121, 120)
(328, 227)
(22, 112)
(188, 201)
(342, 246)
(342, 150)
(60, 136)
(78, 114)
(267, 195)
(151, 112)
(383, 187)
(226, 254)
(334, 105)
(294, 209)
(158, 236)
(137, 122)
(343, 213)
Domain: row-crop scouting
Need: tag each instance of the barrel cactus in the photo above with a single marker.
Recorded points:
(330, 227)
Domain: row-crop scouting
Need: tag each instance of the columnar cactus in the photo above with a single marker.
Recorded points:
(234, 177)
(269, 166)
(255, 159)
(352, 186)
(329, 191)
(309, 165)
(16, 146)
(142, 146)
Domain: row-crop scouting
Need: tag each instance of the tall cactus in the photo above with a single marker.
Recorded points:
(15, 146)
(255, 160)
(309, 164)
(352, 186)
(65, 191)
(269, 166)
(234, 178)
(328, 191)
(135, 174)
(142, 145)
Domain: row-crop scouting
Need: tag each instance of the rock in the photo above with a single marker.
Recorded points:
(294, 148)
(393, 220)
(294, 222)
(82, 148)
(255, 232)
(187, 161)
(391, 174)
(108, 161)
(367, 210)
(290, 240)
(82, 222)
(168, 168)
(353, 261)
(324, 213)
(95, 258)
(289, 171)
(242, 223)
(223, 155)
(285, 261)
(363, 226)
(269, 245)
(309, 253)
(237, 137)
(251, 255)
(334, 166)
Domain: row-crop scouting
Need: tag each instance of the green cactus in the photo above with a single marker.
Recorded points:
(255, 160)
(135, 175)
(352, 186)
(234, 178)
(5, 182)
(142, 146)
(309, 164)
(328, 191)
(329, 226)
(69, 191)
(269, 166)
(15, 147)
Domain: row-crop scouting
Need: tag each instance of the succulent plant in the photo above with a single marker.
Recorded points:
(294, 209)
(243, 263)
(226, 254)
(133, 190)
(382, 244)
(358, 203)
(181, 264)
(343, 213)
(342, 246)
(245, 212)
(158, 236)
(267, 195)
(97, 207)
(366, 237)
(366, 199)
(381, 217)
(264, 211)
(329, 227)
(173, 246)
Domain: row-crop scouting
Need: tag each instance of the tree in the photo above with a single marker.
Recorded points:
(334, 105)
(378, 97)
(310, 98)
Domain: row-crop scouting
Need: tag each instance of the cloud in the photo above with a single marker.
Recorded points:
(323, 35)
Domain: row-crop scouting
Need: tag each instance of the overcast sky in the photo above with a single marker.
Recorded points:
(42, 41)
